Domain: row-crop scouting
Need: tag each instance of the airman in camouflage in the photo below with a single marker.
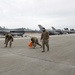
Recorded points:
(8, 39)
(45, 39)
(35, 41)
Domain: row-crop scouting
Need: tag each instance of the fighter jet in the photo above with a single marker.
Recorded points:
(69, 31)
(14, 32)
(51, 32)
(60, 31)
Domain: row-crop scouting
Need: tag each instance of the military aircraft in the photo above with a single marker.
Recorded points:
(69, 31)
(14, 32)
(60, 31)
(65, 31)
(51, 32)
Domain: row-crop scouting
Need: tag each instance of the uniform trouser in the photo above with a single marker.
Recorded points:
(10, 42)
(45, 42)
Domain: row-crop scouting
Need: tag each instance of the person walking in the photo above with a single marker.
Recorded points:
(45, 39)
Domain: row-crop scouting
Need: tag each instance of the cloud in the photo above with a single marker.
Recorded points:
(29, 13)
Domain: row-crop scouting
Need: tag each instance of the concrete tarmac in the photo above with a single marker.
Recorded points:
(22, 60)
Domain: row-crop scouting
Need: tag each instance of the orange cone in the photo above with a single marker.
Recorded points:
(30, 44)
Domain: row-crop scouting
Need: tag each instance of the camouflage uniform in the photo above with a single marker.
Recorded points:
(8, 38)
(45, 40)
(35, 41)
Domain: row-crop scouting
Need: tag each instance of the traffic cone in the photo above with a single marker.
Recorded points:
(30, 44)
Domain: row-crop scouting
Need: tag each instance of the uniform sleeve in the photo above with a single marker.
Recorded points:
(5, 38)
(12, 39)
(47, 35)
(41, 36)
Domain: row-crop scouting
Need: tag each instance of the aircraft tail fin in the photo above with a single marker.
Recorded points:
(53, 28)
(41, 27)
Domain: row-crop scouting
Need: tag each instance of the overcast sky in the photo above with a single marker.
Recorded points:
(30, 13)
